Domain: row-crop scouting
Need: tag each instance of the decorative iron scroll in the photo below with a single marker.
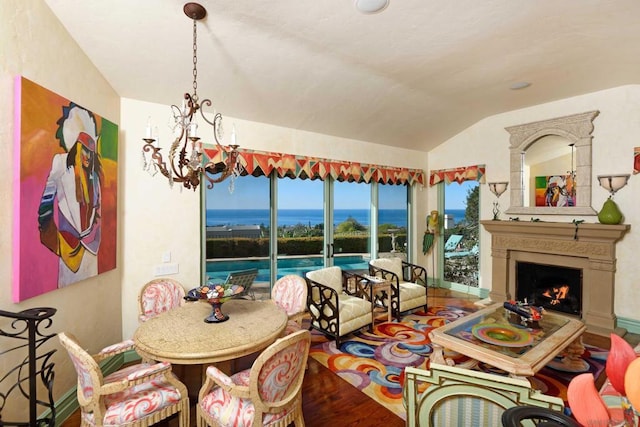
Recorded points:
(21, 382)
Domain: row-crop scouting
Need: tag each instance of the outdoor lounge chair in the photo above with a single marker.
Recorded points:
(245, 279)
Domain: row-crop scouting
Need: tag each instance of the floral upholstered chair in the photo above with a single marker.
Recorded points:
(137, 395)
(408, 283)
(267, 394)
(158, 296)
(290, 293)
(335, 308)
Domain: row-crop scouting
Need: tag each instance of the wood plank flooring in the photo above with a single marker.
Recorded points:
(328, 400)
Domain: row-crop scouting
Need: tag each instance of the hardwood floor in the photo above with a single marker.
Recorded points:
(328, 400)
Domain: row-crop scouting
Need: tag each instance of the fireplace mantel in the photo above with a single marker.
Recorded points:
(591, 247)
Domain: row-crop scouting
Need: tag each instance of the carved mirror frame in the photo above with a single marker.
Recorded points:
(576, 128)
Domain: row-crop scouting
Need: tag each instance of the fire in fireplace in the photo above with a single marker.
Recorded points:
(550, 286)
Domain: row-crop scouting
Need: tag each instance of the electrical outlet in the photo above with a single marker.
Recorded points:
(165, 269)
(166, 256)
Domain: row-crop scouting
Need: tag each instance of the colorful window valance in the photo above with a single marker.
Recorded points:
(257, 163)
(459, 175)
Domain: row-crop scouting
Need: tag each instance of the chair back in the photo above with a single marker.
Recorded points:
(329, 276)
(277, 374)
(290, 293)
(393, 265)
(245, 279)
(89, 374)
(158, 296)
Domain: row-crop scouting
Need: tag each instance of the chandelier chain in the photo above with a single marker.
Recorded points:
(195, 62)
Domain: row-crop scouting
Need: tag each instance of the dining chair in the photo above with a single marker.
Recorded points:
(267, 394)
(137, 395)
(158, 296)
(290, 293)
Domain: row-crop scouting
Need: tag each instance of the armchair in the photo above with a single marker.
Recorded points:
(336, 309)
(457, 396)
(408, 283)
(267, 394)
(137, 395)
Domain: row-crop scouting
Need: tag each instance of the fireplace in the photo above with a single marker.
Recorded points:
(553, 287)
(589, 248)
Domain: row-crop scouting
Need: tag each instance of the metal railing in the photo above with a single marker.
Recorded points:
(19, 385)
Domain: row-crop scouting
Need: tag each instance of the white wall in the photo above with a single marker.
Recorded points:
(615, 135)
(35, 45)
(158, 219)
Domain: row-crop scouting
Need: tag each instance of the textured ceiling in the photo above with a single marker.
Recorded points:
(412, 76)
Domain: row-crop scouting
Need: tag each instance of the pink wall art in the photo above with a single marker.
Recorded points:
(65, 192)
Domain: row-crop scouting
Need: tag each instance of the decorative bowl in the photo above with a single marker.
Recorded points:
(215, 294)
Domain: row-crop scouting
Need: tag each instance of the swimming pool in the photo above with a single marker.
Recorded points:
(219, 269)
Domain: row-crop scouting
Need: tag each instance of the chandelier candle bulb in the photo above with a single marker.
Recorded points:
(148, 131)
(233, 135)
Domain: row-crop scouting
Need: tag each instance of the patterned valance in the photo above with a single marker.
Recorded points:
(257, 163)
(459, 175)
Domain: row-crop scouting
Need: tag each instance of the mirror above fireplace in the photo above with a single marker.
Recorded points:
(573, 133)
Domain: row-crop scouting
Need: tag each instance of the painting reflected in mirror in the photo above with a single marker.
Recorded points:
(551, 166)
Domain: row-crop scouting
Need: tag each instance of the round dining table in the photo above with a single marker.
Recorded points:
(181, 336)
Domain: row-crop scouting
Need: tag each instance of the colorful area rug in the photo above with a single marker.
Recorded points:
(374, 362)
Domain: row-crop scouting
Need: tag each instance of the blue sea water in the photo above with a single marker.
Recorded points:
(288, 217)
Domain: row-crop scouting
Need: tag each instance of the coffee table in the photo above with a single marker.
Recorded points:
(494, 336)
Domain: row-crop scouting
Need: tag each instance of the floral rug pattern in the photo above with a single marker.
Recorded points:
(374, 362)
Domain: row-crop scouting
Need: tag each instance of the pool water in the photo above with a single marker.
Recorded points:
(219, 270)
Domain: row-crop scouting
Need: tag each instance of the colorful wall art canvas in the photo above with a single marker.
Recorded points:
(65, 191)
(636, 160)
(555, 190)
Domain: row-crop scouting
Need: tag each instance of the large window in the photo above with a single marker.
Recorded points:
(279, 225)
(461, 247)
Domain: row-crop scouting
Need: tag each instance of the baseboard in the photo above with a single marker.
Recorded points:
(68, 403)
(631, 325)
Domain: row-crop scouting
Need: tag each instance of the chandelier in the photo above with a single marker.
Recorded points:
(185, 163)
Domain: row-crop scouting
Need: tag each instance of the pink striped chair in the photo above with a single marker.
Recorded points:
(158, 296)
(290, 293)
(137, 395)
(267, 394)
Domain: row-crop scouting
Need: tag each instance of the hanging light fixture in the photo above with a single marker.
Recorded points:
(185, 153)
(497, 188)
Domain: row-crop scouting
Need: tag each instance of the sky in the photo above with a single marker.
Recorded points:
(307, 194)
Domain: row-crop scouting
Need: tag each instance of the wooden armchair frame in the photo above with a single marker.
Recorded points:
(97, 393)
(411, 273)
(272, 386)
(323, 304)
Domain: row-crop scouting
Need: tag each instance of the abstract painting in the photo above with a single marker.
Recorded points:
(636, 160)
(65, 192)
(555, 190)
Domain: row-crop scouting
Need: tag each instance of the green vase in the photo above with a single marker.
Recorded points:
(610, 213)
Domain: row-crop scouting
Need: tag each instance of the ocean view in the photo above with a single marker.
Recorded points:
(288, 217)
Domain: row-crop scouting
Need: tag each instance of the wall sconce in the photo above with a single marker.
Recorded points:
(610, 213)
(497, 188)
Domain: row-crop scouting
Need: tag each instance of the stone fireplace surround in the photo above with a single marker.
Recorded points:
(553, 243)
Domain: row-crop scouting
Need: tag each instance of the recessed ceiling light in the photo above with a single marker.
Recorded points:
(519, 85)
(371, 6)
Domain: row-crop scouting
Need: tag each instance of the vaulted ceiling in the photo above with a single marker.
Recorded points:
(410, 76)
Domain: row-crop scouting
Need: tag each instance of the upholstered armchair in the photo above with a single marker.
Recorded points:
(137, 395)
(267, 394)
(408, 283)
(337, 309)
(158, 296)
(455, 396)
